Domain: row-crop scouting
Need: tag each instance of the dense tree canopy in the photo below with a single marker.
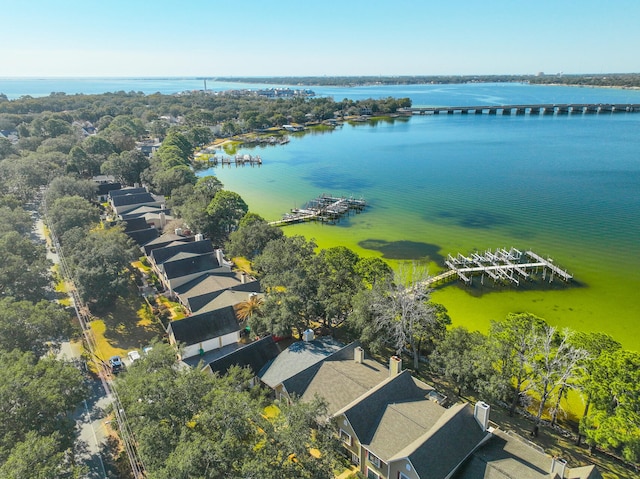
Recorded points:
(36, 396)
(193, 424)
(251, 237)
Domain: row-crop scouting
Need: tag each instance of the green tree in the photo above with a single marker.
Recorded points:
(286, 269)
(100, 264)
(39, 457)
(226, 209)
(189, 423)
(38, 327)
(460, 357)
(337, 283)
(24, 270)
(251, 237)
(167, 180)
(613, 422)
(62, 186)
(596, 344)
(514, 343)
(37, 395)
(126, 167)
(69, 212)
(373, 270)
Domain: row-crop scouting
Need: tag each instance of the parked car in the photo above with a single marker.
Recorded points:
(116, 364)
(133, 356)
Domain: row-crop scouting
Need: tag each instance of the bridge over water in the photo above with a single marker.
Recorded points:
(529, 109)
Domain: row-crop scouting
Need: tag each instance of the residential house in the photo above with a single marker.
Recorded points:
(254, 356)
(106, 183)
(140, 231)
(156, 216)
(394, 426)
(204, 332)
(340, 378)
(123, 203)
(11, 135)
(507, 455)
(165, 239)
(198, 246)
(295, 359)
(214, 290)
(182, 268)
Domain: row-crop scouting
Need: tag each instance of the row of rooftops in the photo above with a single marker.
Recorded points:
(394, 416)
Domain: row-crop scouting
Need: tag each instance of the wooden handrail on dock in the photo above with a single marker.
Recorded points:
(323, 208)
(499, 265)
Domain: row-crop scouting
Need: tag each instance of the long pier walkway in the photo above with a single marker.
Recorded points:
(326, 208)
(500, 265)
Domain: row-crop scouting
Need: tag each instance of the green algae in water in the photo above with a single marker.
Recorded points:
(568, 188)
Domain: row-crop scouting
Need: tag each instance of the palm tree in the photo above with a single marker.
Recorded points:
(246, 309)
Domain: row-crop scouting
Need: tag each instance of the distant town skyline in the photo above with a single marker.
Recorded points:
(206, 38)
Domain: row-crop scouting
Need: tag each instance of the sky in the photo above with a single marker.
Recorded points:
(211, 38)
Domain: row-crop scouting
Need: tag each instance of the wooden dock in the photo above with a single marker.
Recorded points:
(502, 266)
(238, 160)
(326, 208)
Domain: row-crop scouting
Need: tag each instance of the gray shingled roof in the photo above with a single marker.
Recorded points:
(446, 444)
(202, 327)
(132, 199)
(298, 357)
(135, 224)
(338, 379)
(144, 210)
(507, 456)
(164, 240)
(255, 355)
(229, 297)
(127, 191)
(160, 255)
(190, 265)
(142, 237)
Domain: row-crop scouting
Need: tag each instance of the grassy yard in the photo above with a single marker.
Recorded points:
(127, 325)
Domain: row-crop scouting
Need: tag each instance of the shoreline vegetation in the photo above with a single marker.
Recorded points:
(610, 80)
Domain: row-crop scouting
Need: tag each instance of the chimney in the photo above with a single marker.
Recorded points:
(220, 257)
(395, 366)
(199, 237)
(558, 466)
(358, 355)
(481, 413)
(243, 278)
(163, 220)
(178, 231)
(308, 335)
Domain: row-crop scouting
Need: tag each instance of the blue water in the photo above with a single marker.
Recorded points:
(565, 186)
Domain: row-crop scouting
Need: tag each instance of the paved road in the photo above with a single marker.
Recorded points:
(90, 415)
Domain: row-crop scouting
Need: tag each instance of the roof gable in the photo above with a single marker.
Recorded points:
(253, 356)
(338, 379)
(132, 199)
(135, 224)
(298, 357)
(127, 191)
(446, 444)
(191, 265)
(202, 327)
(160, 255)
(365, 413)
